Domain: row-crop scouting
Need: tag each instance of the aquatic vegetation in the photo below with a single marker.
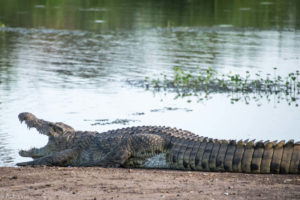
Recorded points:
(102, 122)
(2, 25)
(202, 83)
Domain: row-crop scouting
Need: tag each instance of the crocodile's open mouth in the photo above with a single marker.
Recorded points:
(42, 127)
(54, 131)
(30, 122)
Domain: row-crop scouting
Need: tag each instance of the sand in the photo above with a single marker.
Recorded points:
(119, 183)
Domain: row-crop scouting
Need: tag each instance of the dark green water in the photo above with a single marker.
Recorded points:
(134, 15)
(68, 60)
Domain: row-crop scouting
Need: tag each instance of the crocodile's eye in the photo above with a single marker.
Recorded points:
(56, 128)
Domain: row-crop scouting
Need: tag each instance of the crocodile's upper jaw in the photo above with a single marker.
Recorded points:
(31, 121)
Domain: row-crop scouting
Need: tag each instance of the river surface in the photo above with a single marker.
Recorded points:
(69, 61)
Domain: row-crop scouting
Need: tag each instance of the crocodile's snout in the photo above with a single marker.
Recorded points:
(23, 153)
(26, 116)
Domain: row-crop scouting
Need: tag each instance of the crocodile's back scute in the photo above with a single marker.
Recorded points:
(238, 156)
(276, 159)
(295, 161)
(286, 157)
(199, 154)
(267, 157)
(213, 157)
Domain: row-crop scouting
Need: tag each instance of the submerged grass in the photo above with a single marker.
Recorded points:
(202, 83)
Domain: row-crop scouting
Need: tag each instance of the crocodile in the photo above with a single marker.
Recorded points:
(157, 147)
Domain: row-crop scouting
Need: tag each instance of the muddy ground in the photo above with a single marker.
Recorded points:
(100, 183)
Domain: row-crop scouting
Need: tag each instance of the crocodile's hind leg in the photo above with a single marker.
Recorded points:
(62, 158)
(132, 151)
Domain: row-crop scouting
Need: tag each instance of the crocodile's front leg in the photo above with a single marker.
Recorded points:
(62, 158)
(135, 148)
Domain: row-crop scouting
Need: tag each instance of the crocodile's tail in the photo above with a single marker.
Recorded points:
(243, 156)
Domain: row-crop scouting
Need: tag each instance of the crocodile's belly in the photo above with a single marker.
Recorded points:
(157, 161)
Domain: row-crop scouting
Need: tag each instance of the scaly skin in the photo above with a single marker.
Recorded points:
(157, 147)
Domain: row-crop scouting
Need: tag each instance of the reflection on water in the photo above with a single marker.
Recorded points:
(131, 14)
(68, 61)
(6, 154)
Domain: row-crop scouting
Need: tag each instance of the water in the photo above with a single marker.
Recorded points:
(69, 60)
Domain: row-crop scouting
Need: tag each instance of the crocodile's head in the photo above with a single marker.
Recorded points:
(56, 133)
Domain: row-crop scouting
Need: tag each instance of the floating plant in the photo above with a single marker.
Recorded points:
(202, 83)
